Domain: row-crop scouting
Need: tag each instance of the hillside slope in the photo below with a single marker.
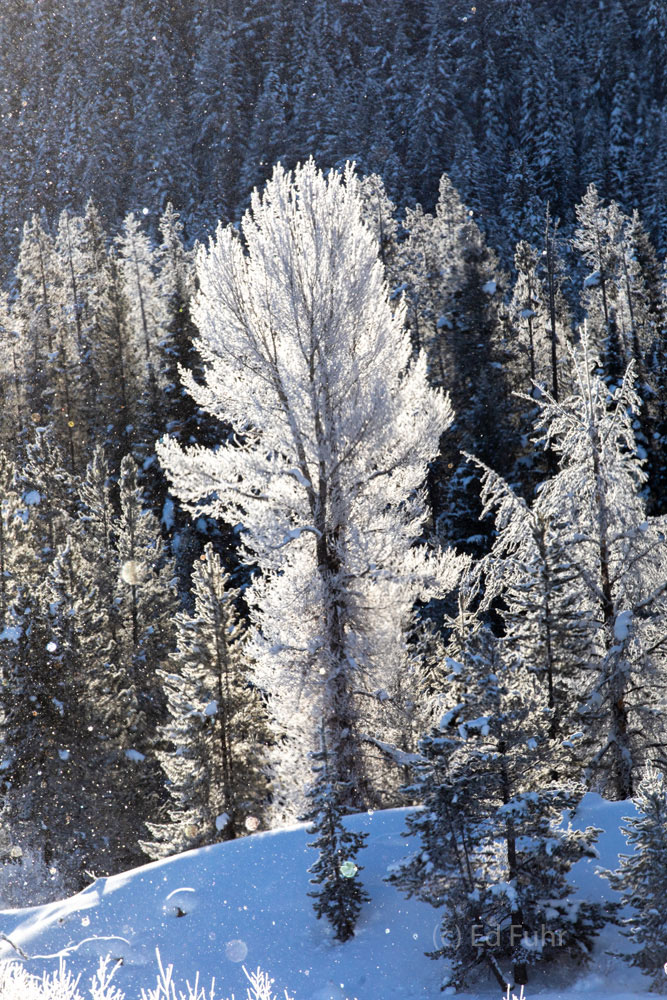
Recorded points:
(245, 903)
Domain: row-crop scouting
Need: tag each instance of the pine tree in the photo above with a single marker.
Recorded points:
(146, 606)
(454, 289)
(493, 847)
(80, 648)
(144, 596)
(34, 313)
(641, 879)
(529, 574)
(13, 531)
(595, 503)
(340, 895)
(217, 727)
(596, 240)
(49, 489)
(528, 312)
(43, 771)
(147, 313)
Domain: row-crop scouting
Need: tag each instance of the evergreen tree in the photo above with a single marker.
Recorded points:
(13, 532)
(596, 505)
(340, 895)
(34, 313)
(49, 490)
(40, 708)
(641, 879)
(147, 314)
(217, 727)
(529, 574)
(454, 288)
(144, 597)
(493, 846)
(146, 606)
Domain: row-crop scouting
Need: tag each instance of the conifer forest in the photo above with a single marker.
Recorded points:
(333, 439)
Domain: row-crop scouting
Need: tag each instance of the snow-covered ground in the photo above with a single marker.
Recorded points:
(245, 903)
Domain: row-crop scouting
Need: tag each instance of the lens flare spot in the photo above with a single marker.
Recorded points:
(236, 950)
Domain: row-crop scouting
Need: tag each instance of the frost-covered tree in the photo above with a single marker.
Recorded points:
(530, 574)
(35, 316)
(148, 313)
(642, 879)
(614, 295)
(305, 357)
(453, 287)
(13, 530)
(217, 730)
(42, 772)
(110, 710)
(493, 848)
(340, 895)
(175, 278)
(146, 607)
(595, 504)
(49, 490)
(144, 596)
(528, 314)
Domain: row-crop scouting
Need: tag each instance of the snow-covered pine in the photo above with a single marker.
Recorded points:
(379, 214)
(49, 493)
(641, 879)
(146, 605)
(110, 707)
(117, 362)
(494, 849)
(148, 314)
(39, 703)
(216, 730)
(16, 358)
(591, 240)
(34, 315)
(147, 308)
(453, 288)
(341, 894)
(176, 284)
(529, 576)
(595, 504)
(13, 531)
(528, 310)
(604, 294)
(307, 360)
(81, 756)
(76, 374)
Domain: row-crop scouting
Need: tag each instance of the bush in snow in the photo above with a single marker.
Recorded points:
(16, 983)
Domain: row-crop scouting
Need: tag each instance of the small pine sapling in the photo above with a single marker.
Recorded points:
(340, 894)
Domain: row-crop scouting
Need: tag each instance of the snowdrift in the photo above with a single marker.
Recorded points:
(245, 903)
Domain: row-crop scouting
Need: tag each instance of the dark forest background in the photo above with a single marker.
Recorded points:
(520, 101)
